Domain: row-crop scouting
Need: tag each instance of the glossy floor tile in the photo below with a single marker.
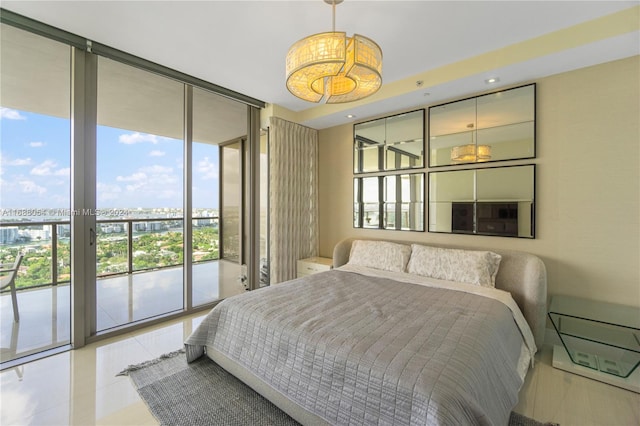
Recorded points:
(45, 312)
(81, 387)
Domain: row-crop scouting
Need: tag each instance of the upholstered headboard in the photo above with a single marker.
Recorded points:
(521, 274)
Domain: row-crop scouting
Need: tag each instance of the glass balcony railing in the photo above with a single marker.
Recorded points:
(123, 246)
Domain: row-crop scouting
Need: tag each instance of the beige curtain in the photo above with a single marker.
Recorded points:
(293, 192)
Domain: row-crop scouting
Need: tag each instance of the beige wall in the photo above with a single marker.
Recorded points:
(587, 188)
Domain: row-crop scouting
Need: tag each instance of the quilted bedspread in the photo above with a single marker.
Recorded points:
(357, 349)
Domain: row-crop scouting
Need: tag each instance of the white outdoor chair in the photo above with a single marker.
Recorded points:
(8, 279)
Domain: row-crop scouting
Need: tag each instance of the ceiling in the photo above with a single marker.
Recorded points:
(451, 47)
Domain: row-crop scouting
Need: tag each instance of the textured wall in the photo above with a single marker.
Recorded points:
(587, 188)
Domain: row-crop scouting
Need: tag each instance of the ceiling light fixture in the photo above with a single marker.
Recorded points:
(471, 153)
(334, 67)
(492, 80)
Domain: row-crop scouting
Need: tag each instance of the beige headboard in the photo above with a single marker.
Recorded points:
(521, 274)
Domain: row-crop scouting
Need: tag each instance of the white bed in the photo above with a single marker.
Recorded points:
(375, 345)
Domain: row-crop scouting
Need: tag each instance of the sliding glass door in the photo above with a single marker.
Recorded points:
(139, 195)
(35, 232)
(123, 191)
(216, 170)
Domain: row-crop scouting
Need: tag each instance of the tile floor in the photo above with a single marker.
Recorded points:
(81, 387)
(45, 312)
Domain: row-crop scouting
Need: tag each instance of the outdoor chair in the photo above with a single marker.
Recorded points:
(8, 279)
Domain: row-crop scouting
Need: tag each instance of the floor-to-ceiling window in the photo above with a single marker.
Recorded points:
(215, 194)
(143, 146)
(34, 192)
(139, 194)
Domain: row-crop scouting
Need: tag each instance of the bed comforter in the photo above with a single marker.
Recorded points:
(359, 349)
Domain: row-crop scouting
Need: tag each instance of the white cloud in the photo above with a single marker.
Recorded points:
(207, 169)
(156, 153)
(164, 179)
(136, 177)
(156, 169)
(63, 172)
(17, 162)
(44, 169)
(11, 114)
(29, 186)
(135, 187)
(131, 138)
(107, 192)
(36, 144)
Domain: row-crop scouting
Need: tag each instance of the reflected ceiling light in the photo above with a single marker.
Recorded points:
(334, 67)
(470, 153)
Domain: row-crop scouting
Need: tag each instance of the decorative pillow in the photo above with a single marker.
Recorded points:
(380, 255)
(467, 266)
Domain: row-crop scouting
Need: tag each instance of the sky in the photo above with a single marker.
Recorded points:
(134, 169)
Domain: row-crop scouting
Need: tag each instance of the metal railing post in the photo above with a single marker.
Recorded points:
(54, 253)
(129, 246)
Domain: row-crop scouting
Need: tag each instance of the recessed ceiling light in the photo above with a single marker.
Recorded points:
(350, 116)
(492, 80)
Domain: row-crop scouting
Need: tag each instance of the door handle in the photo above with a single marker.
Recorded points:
(92, 237)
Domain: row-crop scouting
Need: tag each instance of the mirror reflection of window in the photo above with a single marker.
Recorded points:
(491, 201)
(371, 202)
(390, 202)
(391, 143)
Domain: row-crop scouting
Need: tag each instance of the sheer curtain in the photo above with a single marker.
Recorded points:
(293, 166)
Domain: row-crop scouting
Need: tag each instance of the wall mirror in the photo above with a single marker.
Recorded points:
(390, 143)
(490, 201)
(493, 127)
(389, 202)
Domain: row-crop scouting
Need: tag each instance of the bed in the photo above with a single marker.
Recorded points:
(384, 338)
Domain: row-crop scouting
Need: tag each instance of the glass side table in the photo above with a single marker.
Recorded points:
(599, 340)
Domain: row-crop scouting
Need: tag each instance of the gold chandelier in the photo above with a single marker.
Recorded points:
(470, 153)
(333, 66)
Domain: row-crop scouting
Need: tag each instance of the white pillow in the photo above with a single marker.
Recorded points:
(379, 255)
(467, 266)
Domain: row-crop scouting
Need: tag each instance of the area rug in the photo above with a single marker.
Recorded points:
(203, 393)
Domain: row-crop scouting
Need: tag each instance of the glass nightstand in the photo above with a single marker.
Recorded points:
(601, 340)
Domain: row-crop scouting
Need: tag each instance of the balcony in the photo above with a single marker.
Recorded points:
(126, 290)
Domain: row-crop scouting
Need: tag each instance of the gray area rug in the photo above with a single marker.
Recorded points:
(203, 393)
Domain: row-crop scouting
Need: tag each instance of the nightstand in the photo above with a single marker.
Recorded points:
(599, 340)
(313, 265)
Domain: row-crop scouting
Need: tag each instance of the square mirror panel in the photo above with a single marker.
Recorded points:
(492, 201)
(389, 202)
(390, 143)
(494, 127)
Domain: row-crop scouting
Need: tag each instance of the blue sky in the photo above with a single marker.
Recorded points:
(134, 169)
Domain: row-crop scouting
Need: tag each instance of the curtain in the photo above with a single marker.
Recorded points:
(293, 197)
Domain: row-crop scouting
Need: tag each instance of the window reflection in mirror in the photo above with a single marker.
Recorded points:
(493, 127)
(491, 201)
(391, 143)
(390, 202)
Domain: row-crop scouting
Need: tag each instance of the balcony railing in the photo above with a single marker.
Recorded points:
(123, 246)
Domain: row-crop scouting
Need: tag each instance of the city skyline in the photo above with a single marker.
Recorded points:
(134, 170)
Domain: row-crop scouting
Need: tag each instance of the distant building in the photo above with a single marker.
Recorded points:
(8, 235)
(36, 234)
